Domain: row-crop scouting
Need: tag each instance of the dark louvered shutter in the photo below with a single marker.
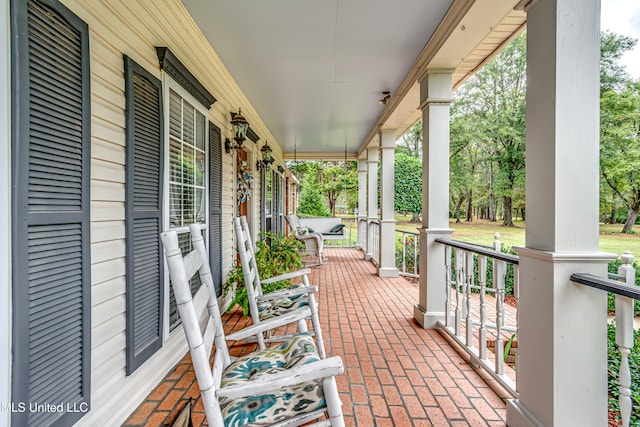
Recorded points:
(215, 208)
(143, 208)
(51, 140)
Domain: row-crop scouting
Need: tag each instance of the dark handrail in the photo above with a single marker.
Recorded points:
(608, 285)
(480, 250)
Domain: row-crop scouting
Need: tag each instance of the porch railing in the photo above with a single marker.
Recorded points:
(476, 281)
(622, 285)
(407, 254)
(374, 235)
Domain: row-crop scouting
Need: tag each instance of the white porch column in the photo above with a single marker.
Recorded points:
(562, 340)
(5, 216)
(387, 257)
(435, 98)
(362, 205)
(372, 196)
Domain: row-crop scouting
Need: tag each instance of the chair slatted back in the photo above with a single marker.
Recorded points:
(246, 249)
(181, 270)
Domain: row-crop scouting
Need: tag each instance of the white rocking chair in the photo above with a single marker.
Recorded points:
(286, 385)
(298, 301)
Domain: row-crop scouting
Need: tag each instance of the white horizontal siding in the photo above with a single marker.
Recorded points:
(135, 29)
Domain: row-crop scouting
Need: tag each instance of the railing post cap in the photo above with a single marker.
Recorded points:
(496, 236)
(627, 257)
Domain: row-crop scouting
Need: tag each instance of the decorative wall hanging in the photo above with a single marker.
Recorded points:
(244, 182)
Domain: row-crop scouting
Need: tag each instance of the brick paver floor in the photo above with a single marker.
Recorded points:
(396, 373)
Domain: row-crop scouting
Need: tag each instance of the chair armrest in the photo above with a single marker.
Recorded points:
(272, 323)
(287, 293)
(286, 276)
(314, 235)
(311, 371)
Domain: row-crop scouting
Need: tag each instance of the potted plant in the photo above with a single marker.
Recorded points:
(276, 254)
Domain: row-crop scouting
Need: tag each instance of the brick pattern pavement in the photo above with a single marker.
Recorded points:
(396, 373)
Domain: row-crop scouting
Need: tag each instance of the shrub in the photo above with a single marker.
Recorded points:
(614, 368)
(410, 251)
(277, 254)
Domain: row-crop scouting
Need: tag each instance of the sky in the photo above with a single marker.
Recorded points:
(623, 17)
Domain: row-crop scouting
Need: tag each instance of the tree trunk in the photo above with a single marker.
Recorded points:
(458, 206)
(612, 218)
(415, 217)
(632, 216)
(507, 218)
(492, 197)
(470, 207)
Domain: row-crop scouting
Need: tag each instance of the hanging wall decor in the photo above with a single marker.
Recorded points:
(244, 182)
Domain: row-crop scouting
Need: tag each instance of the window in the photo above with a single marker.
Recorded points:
(187, 164)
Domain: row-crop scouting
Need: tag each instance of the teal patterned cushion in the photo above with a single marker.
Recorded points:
(275, 406)
(274, 308)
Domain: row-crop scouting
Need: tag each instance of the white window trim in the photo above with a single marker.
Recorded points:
(169, 84)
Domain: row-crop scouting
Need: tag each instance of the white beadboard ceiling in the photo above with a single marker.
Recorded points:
(314, 70)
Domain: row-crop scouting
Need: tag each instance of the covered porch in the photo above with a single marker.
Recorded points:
(401, 370)
(396, 372)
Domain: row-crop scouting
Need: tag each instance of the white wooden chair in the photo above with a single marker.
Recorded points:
(298, 299)
(313, 241)
(285, 385)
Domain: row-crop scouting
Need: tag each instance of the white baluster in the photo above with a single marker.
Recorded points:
(469, 284)
(499, 271)
(482, 279)
(415, 254)
(404, 252)
(459, 284)
(624, 337)
(516, 294)
(447, 301)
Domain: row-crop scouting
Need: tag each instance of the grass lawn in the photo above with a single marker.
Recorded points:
(481, 232)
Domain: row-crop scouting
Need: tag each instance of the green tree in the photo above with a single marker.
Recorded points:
(311, 201)
(619, 129)
(408, 185)
(338, 179)
(411, 142)
(620, 147)
(613, 75)
(493, 102)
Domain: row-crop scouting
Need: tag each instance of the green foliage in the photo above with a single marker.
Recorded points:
(410, 251)
(611, 299)
(277, 254)
(337, 179)
(488, 132)
(620, 146)
(612, 47)
(614, 368)
(410, 143)
(311, 201)
(408, 184)
(325, 186)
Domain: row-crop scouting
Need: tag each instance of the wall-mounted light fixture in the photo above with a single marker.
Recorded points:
(267, 158)
(239, 126)
(387, 96)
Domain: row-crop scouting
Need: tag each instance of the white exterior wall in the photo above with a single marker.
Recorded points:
(5, 216)
(134, 29)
